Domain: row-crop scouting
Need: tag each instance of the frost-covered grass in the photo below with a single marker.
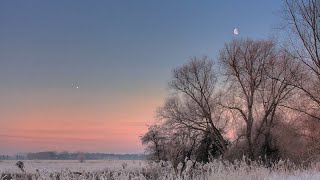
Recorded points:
(119, 169)
(73, 165)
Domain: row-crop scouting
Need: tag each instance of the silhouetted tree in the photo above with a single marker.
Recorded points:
(302, 18)
(155, 142)
(193, 101)
(190, 126)
(256, 73)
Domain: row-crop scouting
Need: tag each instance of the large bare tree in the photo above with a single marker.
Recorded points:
(302, 18)
(256, 74)
(192, 103)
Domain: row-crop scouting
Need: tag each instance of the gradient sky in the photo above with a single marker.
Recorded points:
(120, 55)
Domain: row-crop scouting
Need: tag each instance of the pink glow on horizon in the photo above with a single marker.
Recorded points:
(115, 130)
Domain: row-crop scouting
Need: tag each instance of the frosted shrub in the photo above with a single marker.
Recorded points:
(216, 169)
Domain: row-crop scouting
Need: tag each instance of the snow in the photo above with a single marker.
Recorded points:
(136, 169)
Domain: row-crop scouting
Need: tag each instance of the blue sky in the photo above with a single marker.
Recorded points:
(117, 52)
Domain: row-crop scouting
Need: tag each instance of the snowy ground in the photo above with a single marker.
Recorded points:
(298, 176)
(58, 165)
(135, 169)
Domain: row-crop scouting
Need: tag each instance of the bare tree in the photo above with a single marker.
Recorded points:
(192, 104)
(257, 74)
(190, 126)
(302, 17)
(166, 142)
(182, 144)
(155, 141)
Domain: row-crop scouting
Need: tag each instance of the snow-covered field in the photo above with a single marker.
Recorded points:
(135, 169)
(73, 165)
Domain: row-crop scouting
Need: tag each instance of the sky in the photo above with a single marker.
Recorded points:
(84, 75)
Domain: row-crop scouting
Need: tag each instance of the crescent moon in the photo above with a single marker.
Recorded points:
(236, 31)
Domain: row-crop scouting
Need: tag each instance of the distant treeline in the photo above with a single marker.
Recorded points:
(52, 155)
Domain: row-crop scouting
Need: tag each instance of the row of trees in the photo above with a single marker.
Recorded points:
(264, 102)
(81, 156)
